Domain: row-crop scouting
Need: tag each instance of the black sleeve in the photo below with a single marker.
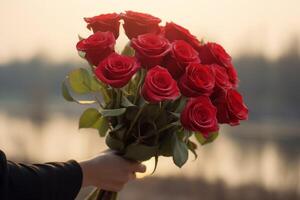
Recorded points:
(50, 181)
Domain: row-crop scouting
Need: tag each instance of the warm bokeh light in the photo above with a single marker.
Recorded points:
(51, 27)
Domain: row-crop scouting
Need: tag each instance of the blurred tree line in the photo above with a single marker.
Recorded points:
(271, 88)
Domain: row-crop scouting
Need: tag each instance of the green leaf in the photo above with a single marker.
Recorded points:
(180, 151)
(177, 123)
(88, 118)
(65, 92)
(102, 125)
(140, 152)
(118, 131)
(81, 54)
(131, 87)
(155, 164)
(125, 102)
(147, 131)
(202, 140)
(192, 147)
(67, 96)
(175, 114)
(181, 105)
(79, 80)
(187, 135)
(112, 112)
(212, 137)
(131, 113)
(202, 41)
(166, 145)
(118, 127)
(80, 38)
(95, 85)
(114, 143)
(151, 111)
(98, 86)
(128, 50)
(168, 126)
(181, 133)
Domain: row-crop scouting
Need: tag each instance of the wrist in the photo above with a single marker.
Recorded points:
(86, 177)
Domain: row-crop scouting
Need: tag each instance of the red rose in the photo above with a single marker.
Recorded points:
(159, 85)
(116, 70)
(97, 46)
(221, 77)
(180, 56)
(150, 49)
(231, 108)
(105, 22)
(173, 32)
(213, 53)
(233, 76)
(199, 115)
(198, 80)
(136, 23)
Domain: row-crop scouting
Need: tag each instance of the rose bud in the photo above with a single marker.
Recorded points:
(97, 46)
(199, 115)
(231, 108)
(159, 86)
(174, 32)
(180, 56)
(198, 80)
(117, 70)
(105, 22)
(150, 49)
(136, 23)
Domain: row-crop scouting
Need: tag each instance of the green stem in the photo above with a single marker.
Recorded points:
(98, 101)
(182, 103)
(93, 195)
(125, 92)
(114, 196)
(143, 74)
(162, 108)
(134, 121)
(118, 98)
(165, 128)
(106, 195)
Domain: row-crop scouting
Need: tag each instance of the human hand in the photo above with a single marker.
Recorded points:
(109, 171)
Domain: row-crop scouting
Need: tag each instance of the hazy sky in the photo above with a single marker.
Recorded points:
(257, 26)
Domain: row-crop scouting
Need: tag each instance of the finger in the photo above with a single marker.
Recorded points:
(132, 176)
(138, 167)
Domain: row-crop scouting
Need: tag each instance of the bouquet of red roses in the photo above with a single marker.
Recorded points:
(165, 87)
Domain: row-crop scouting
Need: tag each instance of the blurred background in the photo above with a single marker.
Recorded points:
(260, 159)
